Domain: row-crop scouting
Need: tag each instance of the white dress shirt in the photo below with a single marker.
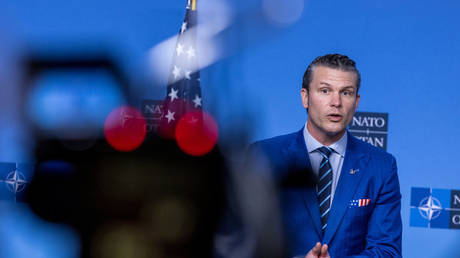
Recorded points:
(336, 158)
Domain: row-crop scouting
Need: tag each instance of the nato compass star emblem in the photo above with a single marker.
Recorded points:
(430, 208)
(15, 181)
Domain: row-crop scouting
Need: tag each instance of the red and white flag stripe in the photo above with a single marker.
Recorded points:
(364, 202)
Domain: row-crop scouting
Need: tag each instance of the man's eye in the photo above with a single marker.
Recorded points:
(348, 93)
(324, 90)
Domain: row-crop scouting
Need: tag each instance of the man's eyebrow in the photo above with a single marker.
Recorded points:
(343, 88)
(349, 87)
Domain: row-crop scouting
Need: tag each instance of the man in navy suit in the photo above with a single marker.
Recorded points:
(356, 213)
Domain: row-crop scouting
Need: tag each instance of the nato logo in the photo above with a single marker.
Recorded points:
(153, 113)
(371, 128)
(435, 208)
(14, 178)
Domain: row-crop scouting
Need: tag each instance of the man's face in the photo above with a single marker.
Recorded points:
(331, 100)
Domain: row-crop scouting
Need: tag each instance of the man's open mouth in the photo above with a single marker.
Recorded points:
(334, 117)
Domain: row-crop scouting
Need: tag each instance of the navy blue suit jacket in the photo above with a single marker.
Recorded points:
(370, 230)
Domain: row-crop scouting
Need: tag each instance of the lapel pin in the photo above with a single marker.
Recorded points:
(353, 171)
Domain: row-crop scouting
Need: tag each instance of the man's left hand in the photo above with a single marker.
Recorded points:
(324, 252)
(318, 251)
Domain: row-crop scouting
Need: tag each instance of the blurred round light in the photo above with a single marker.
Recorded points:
(172, 219)
(120, 240)
(196, 133)
(125, 128)
(283, 12)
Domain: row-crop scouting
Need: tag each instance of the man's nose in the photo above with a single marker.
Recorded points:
(336, 99)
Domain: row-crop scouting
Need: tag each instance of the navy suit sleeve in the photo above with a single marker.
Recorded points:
(384, 232)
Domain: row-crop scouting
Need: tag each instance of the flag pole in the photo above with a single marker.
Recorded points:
(194, 5)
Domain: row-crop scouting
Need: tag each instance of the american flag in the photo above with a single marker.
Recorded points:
(360, 202)
(183, 92)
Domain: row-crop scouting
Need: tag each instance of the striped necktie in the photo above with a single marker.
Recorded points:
(324, 185)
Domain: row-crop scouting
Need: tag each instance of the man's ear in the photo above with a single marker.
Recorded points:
(304, 96)
(358, 97)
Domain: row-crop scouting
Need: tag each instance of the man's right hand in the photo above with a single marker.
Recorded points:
(318, 251)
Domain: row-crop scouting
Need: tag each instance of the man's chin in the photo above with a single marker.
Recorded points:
(334, 132)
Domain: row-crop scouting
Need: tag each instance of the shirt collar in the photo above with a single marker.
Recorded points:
(312, 144)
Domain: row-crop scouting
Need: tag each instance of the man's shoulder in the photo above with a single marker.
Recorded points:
(275, 152)
(279, 141)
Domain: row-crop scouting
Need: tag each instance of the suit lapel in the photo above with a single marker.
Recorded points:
(298, 153)
(346, 187)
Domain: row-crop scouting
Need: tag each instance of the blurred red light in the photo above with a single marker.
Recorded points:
(125, 128)
(196, 133)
